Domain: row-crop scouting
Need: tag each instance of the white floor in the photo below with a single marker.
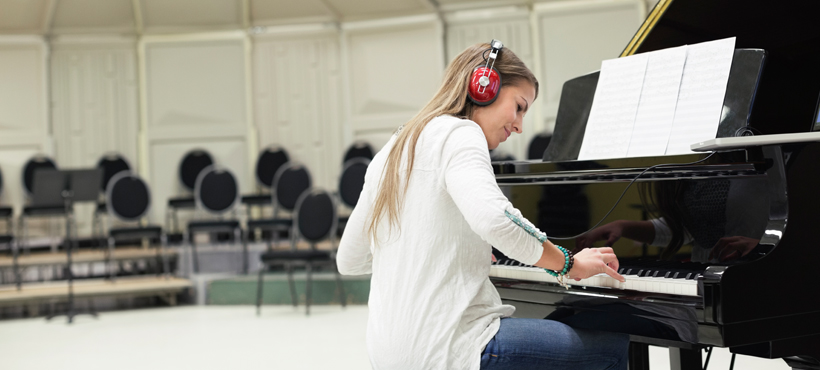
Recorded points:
(222, 337)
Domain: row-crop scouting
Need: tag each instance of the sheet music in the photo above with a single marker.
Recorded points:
(702, 89)
(612, 115)
(659, 97)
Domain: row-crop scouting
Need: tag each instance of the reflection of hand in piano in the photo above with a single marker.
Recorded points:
(642, 231)
(732, 247)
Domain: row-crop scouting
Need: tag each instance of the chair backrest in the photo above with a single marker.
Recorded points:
(290, 182)
(128, 197)
(538, 145)
(33, 164)
(359, 149)
(315, 215)
(112, 164)
(352, 181)
(216, 190)
(191, 165)
(270, 160)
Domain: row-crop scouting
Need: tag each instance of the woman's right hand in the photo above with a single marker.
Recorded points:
(593, 261)
(610, 232)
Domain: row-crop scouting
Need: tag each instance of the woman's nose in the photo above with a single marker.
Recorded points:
(517, 127)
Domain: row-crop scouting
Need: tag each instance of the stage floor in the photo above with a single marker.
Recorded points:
(222, 337)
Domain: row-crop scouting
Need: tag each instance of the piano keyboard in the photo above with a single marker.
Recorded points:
(680, 285)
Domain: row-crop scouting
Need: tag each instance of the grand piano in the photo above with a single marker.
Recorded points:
(762, 304)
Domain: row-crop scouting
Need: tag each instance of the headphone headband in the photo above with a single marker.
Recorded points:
(485, 82)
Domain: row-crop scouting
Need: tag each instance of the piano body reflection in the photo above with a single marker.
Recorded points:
(764, 303)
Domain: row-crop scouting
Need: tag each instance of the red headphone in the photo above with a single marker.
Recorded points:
(485, 80)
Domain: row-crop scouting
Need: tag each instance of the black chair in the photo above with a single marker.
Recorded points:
(314, 221)
(129, 199)
(538, 145)
(350, 185)
(359, 149)
(56, 209)
(217, 193)
(190, 167)
(270, 160)
(111, 164)
(34, 163)
(290, 181)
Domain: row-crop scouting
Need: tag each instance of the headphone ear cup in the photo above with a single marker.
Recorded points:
(484, 85)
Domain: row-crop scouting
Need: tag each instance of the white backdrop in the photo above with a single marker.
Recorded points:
(313, 88)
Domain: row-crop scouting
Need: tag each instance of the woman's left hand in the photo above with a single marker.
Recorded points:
(593, 261)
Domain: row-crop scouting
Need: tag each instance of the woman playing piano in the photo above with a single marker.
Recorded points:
(428, 214)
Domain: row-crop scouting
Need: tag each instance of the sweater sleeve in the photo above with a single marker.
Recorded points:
(469, 179)
(353, 256)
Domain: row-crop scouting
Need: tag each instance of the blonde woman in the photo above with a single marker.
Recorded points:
(428, 214)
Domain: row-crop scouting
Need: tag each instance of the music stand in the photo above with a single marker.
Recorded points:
(55, 187)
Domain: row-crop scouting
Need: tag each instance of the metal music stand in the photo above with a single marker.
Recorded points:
(54, 187)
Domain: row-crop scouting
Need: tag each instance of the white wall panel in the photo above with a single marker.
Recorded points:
(195, 95)
(198, 84)
(94, 100)
(24, 110)
(297, 101)
(23, 97)
(512, 27)
(574, 37)
(393, 69)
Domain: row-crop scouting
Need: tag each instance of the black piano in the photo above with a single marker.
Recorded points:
(764, 303)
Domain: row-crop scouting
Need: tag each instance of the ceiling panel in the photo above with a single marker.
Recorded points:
(277, 10)
(22, 15)
(475, 4)
(191, 13)
(94, 14)
(351, 9)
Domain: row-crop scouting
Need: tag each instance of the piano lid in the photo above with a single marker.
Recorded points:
(790, 84)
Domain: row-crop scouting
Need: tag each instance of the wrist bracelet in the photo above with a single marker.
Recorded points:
(569, 260)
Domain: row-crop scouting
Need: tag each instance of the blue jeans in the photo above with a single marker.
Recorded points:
(545, 344)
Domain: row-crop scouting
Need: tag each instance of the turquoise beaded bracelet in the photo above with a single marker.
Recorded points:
(569, 259)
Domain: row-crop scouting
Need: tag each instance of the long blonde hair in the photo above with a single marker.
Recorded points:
(450, 99)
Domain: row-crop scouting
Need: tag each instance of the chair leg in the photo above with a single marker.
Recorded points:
(309, 268)
(24, 227)
(17, 276)
(109, 258)
(194, 256)
(259, 284)
(340, 285)
(291, 284)
(163, 244)
(237, 234)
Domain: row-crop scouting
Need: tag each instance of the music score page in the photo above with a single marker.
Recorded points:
(658, 103)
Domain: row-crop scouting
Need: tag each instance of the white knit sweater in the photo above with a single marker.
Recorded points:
(432, 305)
